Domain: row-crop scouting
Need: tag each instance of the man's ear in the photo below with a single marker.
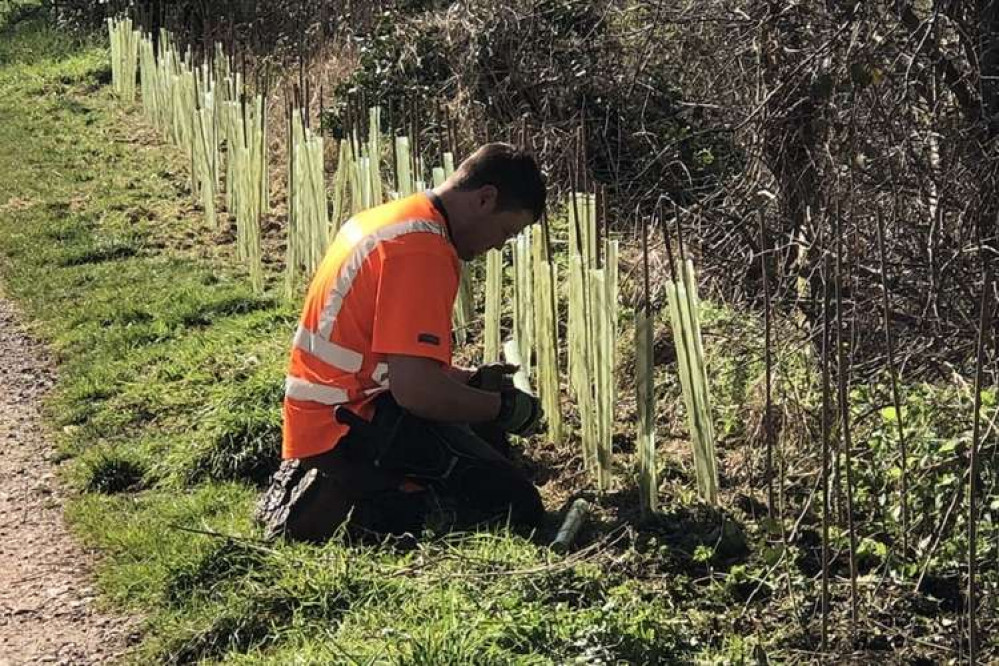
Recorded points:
(487, 197)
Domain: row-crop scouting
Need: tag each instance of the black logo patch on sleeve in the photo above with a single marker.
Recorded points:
(428, 338)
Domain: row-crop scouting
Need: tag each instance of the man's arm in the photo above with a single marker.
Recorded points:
(429, 390)
(459, 374)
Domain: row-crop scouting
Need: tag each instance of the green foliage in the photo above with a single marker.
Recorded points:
(28, 37)
(570, 57)
(395, 59)
(13, 12)
(938, 432)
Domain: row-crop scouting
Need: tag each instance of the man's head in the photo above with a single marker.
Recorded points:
(492, 196)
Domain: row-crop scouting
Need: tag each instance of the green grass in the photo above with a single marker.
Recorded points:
(167, 410)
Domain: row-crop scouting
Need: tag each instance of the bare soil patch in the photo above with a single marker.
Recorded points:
(48, 612)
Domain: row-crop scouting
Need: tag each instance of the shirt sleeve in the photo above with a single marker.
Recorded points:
(416, 292)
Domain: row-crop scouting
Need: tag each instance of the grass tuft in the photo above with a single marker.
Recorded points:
(103, 249)
(112, 471)
(237, 629)
(223, 562)
(242, 446)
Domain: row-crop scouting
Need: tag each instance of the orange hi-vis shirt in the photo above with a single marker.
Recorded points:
(387, 285)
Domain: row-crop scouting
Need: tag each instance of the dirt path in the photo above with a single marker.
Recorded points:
(47, 608)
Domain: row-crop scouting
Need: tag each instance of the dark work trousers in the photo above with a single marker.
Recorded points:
(400, 473)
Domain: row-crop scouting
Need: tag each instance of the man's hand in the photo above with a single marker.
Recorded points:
(494, 377)
(520, 413)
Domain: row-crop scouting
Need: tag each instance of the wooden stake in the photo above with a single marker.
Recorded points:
(679, 233)
(826, 437)
(645, 262)
(321, 108)
(768, 431)
(439, 130)
(844, 406)
(984, 316)
(895, 393)
(836, 467)
(598, 227)
(667, 238)
(392, 134)
(452, 136)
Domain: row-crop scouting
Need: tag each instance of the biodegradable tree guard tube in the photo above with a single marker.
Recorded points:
(592, 333)
(376, 190)
(545, 332)
(512, 354)
(648, 482)
(494, 289)
(575, 518)
(693, 380)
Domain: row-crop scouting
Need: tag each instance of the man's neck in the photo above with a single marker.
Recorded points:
(446, 204)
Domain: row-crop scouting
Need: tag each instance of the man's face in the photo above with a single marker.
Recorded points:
(490, 228)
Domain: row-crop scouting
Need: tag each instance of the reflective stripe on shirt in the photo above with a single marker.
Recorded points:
(300, 389)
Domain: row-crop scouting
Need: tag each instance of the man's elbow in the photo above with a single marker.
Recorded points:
(408, 396)
(411, 383)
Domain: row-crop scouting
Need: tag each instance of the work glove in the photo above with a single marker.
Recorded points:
(493, 377)
(520, 412)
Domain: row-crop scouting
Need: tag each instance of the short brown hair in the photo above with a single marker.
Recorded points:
(511, 170)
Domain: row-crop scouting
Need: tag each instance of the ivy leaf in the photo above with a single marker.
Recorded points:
(988, 398)
(772, 554)
(703, 553)
(871, 548)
